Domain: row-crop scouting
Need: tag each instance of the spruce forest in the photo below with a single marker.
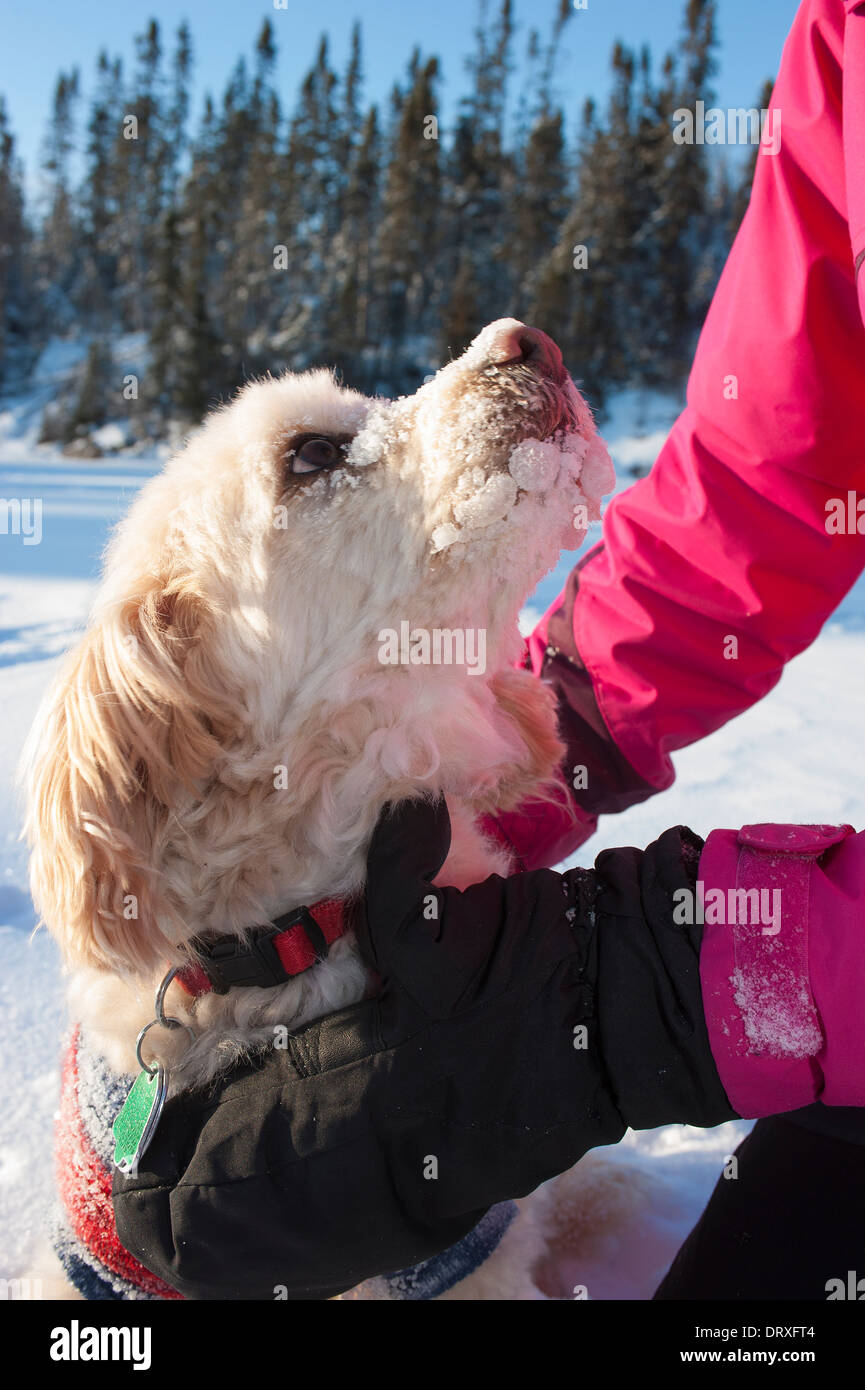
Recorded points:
(252, 236)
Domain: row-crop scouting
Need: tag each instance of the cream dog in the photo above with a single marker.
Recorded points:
(219, 746)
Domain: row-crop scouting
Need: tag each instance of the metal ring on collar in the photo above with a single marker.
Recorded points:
(165, 1023)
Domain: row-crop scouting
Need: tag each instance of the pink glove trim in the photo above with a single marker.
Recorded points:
(764, 1024)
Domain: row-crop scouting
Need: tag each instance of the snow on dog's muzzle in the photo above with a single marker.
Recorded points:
(532, 449)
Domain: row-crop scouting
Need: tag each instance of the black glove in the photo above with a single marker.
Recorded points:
(450, 948)
(605, 935)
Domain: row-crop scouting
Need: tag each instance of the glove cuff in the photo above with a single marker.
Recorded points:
(768, 1012)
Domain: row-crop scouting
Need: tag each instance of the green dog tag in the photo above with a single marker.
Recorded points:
(136, 1124)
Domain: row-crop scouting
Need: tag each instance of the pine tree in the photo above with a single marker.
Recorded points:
(178, 113)
(95, 399)
(476, 261)
(575, 289)
(16, 304)
(312, 185)
(164, 347)
(686, 185)
(348, 309)
(185, 366)
(249, 278)
(199, 369)
(363, 200)
(662, 294)
(648, 318)
(349, 121)
(141, 166)
(100, 207)
(407, 249)
(59, 229)
(204, 222)
(543, 190)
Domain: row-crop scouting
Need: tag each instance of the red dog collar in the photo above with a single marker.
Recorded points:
(266, 956)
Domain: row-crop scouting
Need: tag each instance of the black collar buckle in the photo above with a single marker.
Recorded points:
(254, 961)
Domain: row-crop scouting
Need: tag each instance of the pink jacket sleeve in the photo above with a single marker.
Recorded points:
(782, 964)
(727, 537)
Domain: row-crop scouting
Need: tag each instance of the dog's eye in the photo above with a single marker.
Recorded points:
(314, 455)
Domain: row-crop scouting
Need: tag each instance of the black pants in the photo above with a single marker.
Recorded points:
(793, 1219)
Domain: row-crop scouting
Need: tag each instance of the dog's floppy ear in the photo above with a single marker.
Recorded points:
(136, 720)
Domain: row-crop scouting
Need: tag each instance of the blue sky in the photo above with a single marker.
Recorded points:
(40, 38)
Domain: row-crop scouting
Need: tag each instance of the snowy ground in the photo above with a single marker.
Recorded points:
(782, 760)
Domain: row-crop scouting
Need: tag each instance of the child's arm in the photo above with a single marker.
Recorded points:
(739, 964)
(728, 558)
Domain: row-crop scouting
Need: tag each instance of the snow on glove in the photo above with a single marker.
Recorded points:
(783, 964)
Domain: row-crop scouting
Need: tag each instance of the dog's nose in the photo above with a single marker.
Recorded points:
(512, 341)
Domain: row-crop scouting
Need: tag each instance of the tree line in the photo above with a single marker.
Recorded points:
(362, 235)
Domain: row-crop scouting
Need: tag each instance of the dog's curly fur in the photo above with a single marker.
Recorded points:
(218, 747)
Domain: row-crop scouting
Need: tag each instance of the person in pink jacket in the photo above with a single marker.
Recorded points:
(749, 525)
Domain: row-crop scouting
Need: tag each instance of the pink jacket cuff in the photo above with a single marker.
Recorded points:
(783, 964)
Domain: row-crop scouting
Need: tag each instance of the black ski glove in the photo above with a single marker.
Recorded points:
(625, 971)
